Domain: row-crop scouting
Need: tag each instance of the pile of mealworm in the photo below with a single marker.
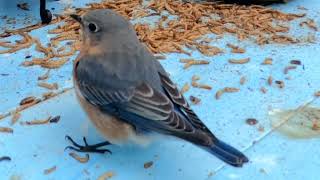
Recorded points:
(182, 34)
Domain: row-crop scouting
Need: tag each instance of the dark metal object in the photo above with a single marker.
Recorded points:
(45, 14)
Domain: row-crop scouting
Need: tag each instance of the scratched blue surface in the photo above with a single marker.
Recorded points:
(35, 148)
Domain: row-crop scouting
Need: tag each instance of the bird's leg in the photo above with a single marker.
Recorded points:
(87, 148)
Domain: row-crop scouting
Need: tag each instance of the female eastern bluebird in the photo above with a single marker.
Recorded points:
(128, 95)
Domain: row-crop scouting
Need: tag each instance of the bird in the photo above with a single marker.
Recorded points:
(128, 95)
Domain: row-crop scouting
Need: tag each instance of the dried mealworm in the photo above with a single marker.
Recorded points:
(239, 61)
(106, 176)
(270, 80)
(41, 48)
(79, 158)
(251, 121)
(27, 100)
(50, 170)
(267, 61)
(37, 122)
(53, 86)
(6, 130)
(295, 62)
(15, 117)
(263, 90)
(207, 40)
(29, 104)
(194, 62)
(209, 50)
(185, 88)
(168, 8)
(7, 44)
(219, 93)
(46, 63)
(195, 78)
(186, 60)
(147, 164)
(226, 90)
(44, 76)
(54, 64)
(71, 52)
(236, 49)
(243, 80)
(231, 89)
(310, 23)
(24, 43)
(48, 95)
(16, 48)
(194, 100)
(202, 86)
(286, 69)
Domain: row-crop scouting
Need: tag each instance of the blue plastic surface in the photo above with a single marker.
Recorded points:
(274, 156)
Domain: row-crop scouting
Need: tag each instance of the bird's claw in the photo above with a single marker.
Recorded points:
(87, 148)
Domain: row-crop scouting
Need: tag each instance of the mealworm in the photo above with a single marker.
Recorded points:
(243, 80)
(52, 86)
(286, 69)
(185, 88)
(267, 61)
(194, 100)
(226, 90)
(79, 158)
(50, 170)
(6, 130)
(263, 90)
(15, 117)
(239, 61)
(270, 80)
(44, 76)
(37, 122)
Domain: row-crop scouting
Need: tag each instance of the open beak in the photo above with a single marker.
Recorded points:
(76, 17)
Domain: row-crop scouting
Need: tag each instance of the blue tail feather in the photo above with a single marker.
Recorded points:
(228, 154)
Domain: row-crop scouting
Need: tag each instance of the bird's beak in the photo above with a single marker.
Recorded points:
(76, 17)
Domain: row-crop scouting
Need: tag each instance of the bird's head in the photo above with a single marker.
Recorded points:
(102, 24)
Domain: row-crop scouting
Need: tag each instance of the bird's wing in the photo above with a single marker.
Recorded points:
(181, 103)
(145, 107)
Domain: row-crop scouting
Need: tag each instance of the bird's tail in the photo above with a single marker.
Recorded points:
(227, 153)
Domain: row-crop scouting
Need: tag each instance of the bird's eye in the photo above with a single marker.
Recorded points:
(92, 27)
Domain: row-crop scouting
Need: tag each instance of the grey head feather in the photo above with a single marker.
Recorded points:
(124, 58)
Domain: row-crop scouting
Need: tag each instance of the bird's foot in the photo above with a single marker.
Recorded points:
(87, 148)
